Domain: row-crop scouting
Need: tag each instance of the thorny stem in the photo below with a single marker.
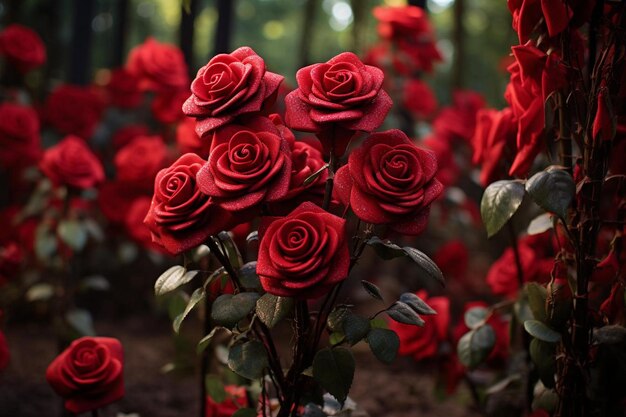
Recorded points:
(328, 191)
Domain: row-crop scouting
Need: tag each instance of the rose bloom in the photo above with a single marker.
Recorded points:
(158, 66)
(304, 254)
(167, 107)
(419, 99)
(19, 136)
(137, 163)
(336, 99)
(230, 85)
(188, 140)
(5, 355)
(448, 170)
(248, 165)
(389, 180)
(115, 199)
(181, 217)
(71, 162)
(74, 110)
(126, 134)
(135, 227)
(123, 89)
(423, 342)
(456, 123)
(22, 47)
(88, 374)
(236, 399)
(453, 259)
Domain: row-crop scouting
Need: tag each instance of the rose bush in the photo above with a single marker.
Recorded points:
(336, 99)
(389, 180)
(304, 254)
(230, 85)
(23, 47)
(88, 374)
(137, 163)
(19, 136)
(158, 66)
(71, 163)
(74, 110)
(181, 217)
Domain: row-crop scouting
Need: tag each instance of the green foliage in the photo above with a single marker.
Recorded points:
(336, 318)
(384, 344)
(609, 335)
(248, 359)
(476, 317)
(81, 321)
(196, 297)
(403, 313)
(372, 290)
(541, 331)
(228, 310)
(73, 233)
(215, 388)
(499, 203)
(40, 292)
(206, 340)
(476, 345)
(417, 304)
(334, 369)
(248, 277)
(173, 278)
(271, 309)
(537, 295)
(552, 189)
(245, 412)
(355, 328)
(543, 356)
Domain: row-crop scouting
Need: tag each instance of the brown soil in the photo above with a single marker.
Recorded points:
(399, 390)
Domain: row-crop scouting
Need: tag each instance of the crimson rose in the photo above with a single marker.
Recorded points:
(304, 254)
(336, 99)
(228, 86)
(19, 135)
(123, 89)
(188, 140)
(158, 66)
(247, 165)
(180, 216)
(236, 399)
(423, 342)
(138, 162)
(167, 107)
(389, 180)
(23, 47)
(71, 162)
(74, 110)
(88, 374)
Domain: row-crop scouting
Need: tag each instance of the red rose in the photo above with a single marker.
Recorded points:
(71, 162)
(236, 399)
(139, 162)
(228, 86)
(167, 107)
(135, 227)
(74, 110)
(418, 98)
(11, 257)
(423, 342)
(448, 170)
(19, 136)
(23, 47)
(248, 165)
(158, 66)
(389, 180)
(457, 122)
(336, 99)
(123, 89)
(5, 355)
(399, 22)
(88, 374)
(556, 14)
(188, 140)
(453, 259)
(115, 199)
(181, 217)
(304, 254)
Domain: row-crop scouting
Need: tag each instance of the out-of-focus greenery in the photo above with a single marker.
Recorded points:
(273, 29)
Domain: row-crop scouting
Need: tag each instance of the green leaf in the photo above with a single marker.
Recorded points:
(232, 252)
(372, 290)
(386, 250)
(173, 278)
(355, 328)
(609, 335)
(73, 234)
(476, 345)
(40, 292)
(196, 297)
(475, 317)
(245, 412)
(499, 203)
(248, 276)
(537, 295)
(417, 304)
(228, 309)
(271, 308)
(215, 388)
(95, 282)
(425, 264)
(336, 318)
(176, 303)
(402, 313)
(248, 359)
(552, 189)
(45, 243)
(206, 340)
(543, 356)
(333, 369)
(384, 344)
(81, 321)
(540, 224)
(541, 331)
